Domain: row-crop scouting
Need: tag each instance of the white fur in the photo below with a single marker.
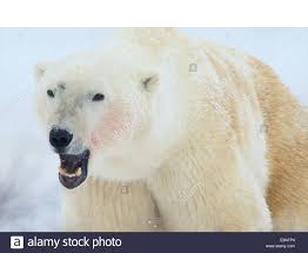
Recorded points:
(179, 140)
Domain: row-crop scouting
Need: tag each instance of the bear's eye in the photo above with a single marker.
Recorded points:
(98, 97)
(150, 83)
(50, 93)
(146, 82)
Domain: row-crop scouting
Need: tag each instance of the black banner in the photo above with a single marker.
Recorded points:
(159, 242)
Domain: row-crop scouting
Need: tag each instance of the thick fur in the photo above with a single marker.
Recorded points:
(207, 137)
(107, 206)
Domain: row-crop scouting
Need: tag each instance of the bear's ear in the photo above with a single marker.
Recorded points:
(39, 70)
(150, 82)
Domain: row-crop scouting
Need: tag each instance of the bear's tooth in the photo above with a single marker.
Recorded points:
(62, 171)
(78, 171)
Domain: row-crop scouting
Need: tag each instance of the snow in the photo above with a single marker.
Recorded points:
(30, 194)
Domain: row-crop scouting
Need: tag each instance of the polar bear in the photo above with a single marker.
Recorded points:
(203, 137)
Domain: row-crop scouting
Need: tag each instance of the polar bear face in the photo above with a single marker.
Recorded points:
(107, 113)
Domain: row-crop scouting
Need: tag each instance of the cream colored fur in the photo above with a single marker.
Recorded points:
(107, 206)
(214, 142)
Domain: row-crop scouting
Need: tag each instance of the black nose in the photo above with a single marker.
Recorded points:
(60, 138)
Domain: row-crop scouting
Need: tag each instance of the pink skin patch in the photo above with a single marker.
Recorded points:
(115, 124)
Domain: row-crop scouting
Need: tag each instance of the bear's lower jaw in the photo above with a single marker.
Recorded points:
(73, 170)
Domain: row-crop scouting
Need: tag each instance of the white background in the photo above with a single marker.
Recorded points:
(160, 13)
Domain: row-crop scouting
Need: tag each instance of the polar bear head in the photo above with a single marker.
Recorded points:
(113, 112)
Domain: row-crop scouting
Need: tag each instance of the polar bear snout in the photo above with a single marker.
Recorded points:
(60, 138)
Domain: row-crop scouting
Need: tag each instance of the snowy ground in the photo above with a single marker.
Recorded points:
(29, 188)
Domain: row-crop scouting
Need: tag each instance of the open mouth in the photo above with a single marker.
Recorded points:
(73, 169)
